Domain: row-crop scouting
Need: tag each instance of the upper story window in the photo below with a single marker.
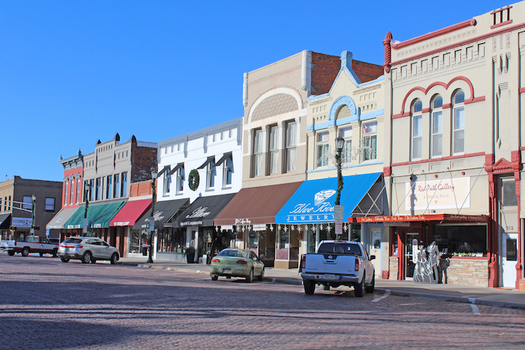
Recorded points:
(458, 127)
(210, 175)
(436, 140)
(258, 149)
(323, 148)
(98, 188)
(346, 133)
(66, 190)
(116, 186)
(72, 190)
(50, 204)
(78, 188)
(228, 172)
(27, 202)
(180, 179)
(166, 183)
(370, 141)
(417, 130)
(291, 146)
(124, 185)
(109, 187)
(274, 149)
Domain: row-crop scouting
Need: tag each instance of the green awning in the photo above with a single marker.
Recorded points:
(99, 215)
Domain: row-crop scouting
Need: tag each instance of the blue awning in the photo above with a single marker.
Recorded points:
(313, 202)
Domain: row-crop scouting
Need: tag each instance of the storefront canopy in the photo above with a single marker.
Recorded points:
(4, 221)
(313, 202)
(99, 215)
(58, 221)
(131, 213)
(425, 217)
(256, 205)
(164, 211)
(203, 211)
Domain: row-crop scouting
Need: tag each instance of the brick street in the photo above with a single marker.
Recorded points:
(46, 304)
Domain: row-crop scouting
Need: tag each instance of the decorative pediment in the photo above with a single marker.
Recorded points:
(502, 166)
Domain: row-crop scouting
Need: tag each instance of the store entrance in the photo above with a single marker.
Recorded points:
(508, 227)
(411, 246)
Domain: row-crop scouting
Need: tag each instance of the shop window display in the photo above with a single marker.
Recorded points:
(463, 241)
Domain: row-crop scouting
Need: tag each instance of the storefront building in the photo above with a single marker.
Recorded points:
(455, 136)
(202, 170)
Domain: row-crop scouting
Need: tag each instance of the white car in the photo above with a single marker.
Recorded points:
(87, 249)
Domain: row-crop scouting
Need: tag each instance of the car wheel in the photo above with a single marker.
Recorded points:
(359, 288)
(114, 259)
(261, 276)
(11, 253)
(309, 287)
(93, 261)
(249, 278)
(371, 286)
(25, 251)
(64, 260)
(86, 258)
(214, 277)
(55, 253)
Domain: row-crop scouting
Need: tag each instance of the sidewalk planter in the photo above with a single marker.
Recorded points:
(190, 255)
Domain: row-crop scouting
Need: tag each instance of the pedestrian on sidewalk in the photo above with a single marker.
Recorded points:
(444, 263)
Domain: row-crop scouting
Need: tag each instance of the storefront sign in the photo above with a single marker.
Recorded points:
(21, 222)
(200, 212)
(438, 194)
(319, 209)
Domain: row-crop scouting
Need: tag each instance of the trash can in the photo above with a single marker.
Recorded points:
(145, 251)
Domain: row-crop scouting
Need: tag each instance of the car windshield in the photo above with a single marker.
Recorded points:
(233, 253)
(339, 248)
(72, 240)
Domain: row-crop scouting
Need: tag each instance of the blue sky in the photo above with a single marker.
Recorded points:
(74, 72)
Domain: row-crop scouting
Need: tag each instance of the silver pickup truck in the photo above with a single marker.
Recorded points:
(338, 263)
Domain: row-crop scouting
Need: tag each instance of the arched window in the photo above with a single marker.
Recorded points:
(458, 122)
(417, 130)
(436, 140)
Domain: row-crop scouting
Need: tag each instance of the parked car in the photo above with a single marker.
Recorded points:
(32, 244)
(237, 263)
(87, 249)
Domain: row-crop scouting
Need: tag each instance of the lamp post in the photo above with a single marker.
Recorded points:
(339, 144)
(154, 176)
(85, 224)
(33, 208)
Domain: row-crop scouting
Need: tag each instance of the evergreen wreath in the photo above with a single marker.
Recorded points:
(193, 180)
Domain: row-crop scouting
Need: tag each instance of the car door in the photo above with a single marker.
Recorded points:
(256, 263)
(105, 250)
(93, 246)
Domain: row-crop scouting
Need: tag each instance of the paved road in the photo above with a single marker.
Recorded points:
(46, 304)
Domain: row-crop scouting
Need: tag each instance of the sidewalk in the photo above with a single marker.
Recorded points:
(451, 292)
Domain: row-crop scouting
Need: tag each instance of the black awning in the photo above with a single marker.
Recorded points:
(203, 210)
(227, 155)
(208, 161)
(164, 211)
(177, 167)
(4, 221)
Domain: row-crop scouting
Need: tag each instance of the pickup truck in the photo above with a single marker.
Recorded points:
(32, 244)
(338, 263)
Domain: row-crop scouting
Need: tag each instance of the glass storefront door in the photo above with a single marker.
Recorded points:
(411, 246)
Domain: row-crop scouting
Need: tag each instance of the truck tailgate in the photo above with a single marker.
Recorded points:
(329, 263)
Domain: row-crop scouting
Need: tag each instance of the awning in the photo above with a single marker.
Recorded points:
(256, 205)
(425, 217)
(227, 155)
(4, 221)
(313, 202)
(208, 161)
(131, 212)
(164, 211)
(58, 221)
(203, 211)
(99, 215)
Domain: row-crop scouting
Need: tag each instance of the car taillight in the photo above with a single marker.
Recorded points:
(356, 264)
(303, 263)
(215, 260)
(242, 262)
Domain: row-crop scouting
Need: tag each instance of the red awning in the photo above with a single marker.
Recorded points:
(131, 212)
(425, 217)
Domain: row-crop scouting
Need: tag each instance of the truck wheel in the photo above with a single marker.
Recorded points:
(309, 287)
(25, 251)
(11, 252)
(371, 286)
(41, 254)
(86, 258)
(214, 277)
(55, 253)
(359, 288)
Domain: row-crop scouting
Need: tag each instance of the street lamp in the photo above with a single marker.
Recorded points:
(339, 144)
(33, 208)
(154, 176)
(85, 224)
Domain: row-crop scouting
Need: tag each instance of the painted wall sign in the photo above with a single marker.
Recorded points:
(318, 209)
(21, 222)
(438, 194)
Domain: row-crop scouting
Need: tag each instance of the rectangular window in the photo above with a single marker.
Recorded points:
(258, 153)
(346, 133)
(180, 179)
(291, 146)
(50, 204)
(166, 183)
(109, 187)
(28, 202)
(66, 190)
(116, 186)
(437, 134)
(274, 149)
(98, 188)
(323, 149)
(124, 185)
(72, 190)
(210, 175)
(370, 141)
(227, 172)
(91, 190)
(459, 130)
(78, 189)
(417, 136)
